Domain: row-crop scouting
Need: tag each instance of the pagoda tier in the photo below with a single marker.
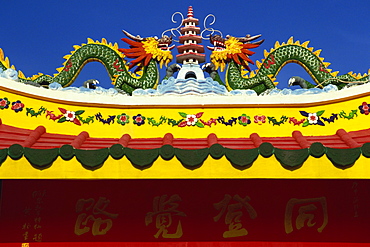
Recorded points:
(192, 30)
(195, 38)
(190, 48)
(191, 57)
(191, 21)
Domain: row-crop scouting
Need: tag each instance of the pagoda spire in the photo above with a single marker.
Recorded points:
(190, 12)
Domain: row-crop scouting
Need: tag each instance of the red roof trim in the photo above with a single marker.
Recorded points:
(40, 139)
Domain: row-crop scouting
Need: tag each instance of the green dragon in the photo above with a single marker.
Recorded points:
(146, 51)
(232, 52)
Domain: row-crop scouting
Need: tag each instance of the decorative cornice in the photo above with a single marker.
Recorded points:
(190, 158)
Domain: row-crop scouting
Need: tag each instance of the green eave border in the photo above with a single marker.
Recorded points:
(190, 158)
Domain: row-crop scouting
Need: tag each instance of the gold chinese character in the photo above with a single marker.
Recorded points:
(234, 214)
(26, 226)
(37, 219)
(25, 245)
(165, 210)
(25, 236)
(306, 210)
(37, 237)
(99, 226)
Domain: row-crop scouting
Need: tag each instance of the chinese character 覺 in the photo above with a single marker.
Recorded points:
(233, 214)
(93, 214)
(164, 211)
(310, 212)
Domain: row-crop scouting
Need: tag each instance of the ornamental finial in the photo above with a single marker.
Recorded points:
(190, 12)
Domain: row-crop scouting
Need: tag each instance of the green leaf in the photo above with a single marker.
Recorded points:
(62, 119)
(305, 124)
(79, 112)
(199, 124)
(183, 114)
(319, 113)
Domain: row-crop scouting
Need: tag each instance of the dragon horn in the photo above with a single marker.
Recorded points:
(249, 38)
(136, 38)
(258, 42)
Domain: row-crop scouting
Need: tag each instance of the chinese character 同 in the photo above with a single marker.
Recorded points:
(305, 212)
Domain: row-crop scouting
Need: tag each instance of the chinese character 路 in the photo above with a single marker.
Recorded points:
(91, 211)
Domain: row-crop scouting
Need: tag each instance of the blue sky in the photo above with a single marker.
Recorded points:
(35, 35)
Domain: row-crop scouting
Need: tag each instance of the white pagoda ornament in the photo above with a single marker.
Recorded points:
(191, 54)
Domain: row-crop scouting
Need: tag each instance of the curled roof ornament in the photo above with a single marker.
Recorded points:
(209, 29)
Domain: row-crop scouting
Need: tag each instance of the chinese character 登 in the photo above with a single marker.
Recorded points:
(234, 214)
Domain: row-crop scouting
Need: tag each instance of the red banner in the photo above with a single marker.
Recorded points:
(185, 210)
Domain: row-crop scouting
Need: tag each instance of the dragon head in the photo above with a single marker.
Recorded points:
(232, 48)
(142, 50)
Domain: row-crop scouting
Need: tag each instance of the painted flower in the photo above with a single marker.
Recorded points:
(260, 119)
(312, 118)
(17, 106)
(244, 120)
(138, 119)
(364, 108)
(123, 119)
(191, 120)
(4, 103)
(70, 115)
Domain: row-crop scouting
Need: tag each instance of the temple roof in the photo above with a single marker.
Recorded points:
(42, 148)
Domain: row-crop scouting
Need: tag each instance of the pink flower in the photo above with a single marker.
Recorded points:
(364, 108)
(138, 119)
(17, 106)
(260, 119)
(244, 119)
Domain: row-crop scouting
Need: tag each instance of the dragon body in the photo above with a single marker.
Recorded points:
(240, 77)
(145, 76)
